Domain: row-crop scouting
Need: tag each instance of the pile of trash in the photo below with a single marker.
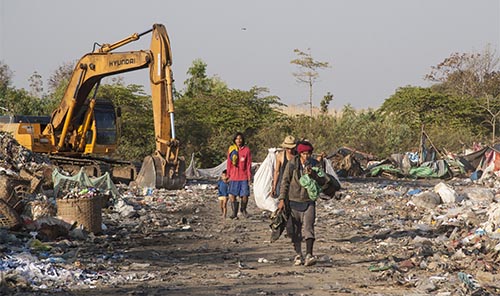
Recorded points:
(432, 235)
(22, 174)
(428, 236)
(52, 255)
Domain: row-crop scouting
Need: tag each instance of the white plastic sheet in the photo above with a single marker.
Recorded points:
(211, 173)
(330, 170)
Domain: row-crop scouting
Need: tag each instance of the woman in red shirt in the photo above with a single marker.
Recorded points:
(239, 165)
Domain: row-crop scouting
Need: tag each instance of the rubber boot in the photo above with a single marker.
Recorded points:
(244, 208)
(234, 206)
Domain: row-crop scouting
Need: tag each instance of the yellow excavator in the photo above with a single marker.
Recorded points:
(84, 130)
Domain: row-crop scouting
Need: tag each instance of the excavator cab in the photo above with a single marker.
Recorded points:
(102, 138)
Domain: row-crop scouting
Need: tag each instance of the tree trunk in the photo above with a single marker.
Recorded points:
(311, 97)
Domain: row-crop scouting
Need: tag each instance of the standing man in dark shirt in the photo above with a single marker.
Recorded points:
(302, 207)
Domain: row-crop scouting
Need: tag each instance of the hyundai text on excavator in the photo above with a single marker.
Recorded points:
(84, 130)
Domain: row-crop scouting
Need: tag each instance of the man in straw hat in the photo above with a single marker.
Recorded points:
(282, 158)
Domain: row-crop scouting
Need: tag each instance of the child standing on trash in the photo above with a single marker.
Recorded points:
(223, 188)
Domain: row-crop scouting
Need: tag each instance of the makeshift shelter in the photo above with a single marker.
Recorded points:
(431, 169)
(485, 160)
(349, 162)
(427, 162)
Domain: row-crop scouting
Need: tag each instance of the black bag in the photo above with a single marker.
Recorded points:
(278, 224)
(331, 186)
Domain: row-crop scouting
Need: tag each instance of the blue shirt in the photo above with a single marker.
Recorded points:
(223, 188)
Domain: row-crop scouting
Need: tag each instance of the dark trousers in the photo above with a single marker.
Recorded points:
(301, 223)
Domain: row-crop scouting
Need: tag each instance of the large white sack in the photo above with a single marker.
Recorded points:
(263, 182)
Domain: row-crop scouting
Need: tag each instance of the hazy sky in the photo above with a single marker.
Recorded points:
(373, 46)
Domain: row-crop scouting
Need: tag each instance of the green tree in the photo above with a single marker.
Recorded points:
(308, 71)
(61, 76)
(5, 76)
(36, 85)
(21, 102)
(5, 82)
(417, 106)
(207, 123)
(325, 103)
(197, 82)
(137, 137)
(472, 77)
(467, 74)
(208, 114)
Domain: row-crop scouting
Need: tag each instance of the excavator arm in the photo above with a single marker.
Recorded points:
(163, 169)
(86, 76)
(71, 121)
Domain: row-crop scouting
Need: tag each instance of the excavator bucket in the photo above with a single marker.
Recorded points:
(156, 172)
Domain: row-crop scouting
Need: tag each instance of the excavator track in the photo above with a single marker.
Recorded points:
(120, 171)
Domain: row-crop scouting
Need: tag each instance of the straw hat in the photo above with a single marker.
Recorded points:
(289, 142)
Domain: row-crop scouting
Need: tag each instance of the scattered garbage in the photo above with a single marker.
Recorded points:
(411, 235)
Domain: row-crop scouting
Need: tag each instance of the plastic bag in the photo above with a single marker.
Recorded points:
(263, 181)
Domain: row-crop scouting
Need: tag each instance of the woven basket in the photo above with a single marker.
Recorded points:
(13, 190)
(8, 216)
(85, 211)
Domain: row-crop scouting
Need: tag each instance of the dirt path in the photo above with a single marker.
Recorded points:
(235, 257)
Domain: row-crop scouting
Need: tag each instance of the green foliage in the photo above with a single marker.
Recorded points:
(325, 103)
(447, 138)
(137, 132)
(54, 98)
(417, 106)
(206, 124)
(197, 83)
(5, 76)
(208, 113)
(396, 137)
(15, 102)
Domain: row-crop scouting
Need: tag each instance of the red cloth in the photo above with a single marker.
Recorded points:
(303, 148)
(242, 171)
